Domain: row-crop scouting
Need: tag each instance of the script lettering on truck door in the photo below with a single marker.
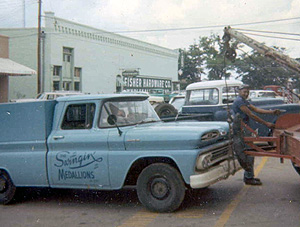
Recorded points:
(78, 149)
(71, 165)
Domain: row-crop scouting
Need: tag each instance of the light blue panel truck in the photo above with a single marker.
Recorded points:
(108, 142)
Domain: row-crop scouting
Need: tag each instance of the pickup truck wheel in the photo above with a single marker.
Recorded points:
(297, 168)
(7, 188)
(165, 109)
(160, 188)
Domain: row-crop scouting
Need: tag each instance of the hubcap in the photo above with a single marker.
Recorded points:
(160, 188)
(165, 113)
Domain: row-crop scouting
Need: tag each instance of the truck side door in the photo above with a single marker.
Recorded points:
(78, 150)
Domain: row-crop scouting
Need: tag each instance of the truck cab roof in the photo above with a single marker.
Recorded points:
(213, 83)
(102, 96)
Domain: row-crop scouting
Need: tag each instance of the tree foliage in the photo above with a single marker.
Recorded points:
(258, 71)
(205, 59)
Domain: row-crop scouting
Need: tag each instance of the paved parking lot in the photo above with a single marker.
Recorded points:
(227, 203)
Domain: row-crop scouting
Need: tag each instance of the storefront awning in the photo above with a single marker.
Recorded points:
(11, 68)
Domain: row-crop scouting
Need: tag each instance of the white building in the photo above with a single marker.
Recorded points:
(79, 57)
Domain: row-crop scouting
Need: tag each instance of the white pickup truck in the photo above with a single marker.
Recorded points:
(52, 95)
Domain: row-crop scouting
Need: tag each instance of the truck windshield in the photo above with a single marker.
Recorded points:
(127, 113)
(208, 96)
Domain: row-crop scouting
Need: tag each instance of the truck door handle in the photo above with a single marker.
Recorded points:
(58, 137)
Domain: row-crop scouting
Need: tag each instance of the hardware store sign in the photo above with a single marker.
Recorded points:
(145, 84)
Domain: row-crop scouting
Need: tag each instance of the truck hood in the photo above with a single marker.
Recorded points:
(174, 135)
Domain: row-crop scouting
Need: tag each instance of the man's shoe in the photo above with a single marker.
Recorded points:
(252, 181)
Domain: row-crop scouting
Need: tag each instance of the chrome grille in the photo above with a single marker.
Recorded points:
(219, 152)
(213, 155)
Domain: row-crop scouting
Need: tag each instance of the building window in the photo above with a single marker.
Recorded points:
(66, 86)
(56, 70)
(67, 54)
(77, 86)
(77, 76)
(77, 72)
(55, 85)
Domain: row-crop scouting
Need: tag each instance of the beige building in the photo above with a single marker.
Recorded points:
(83, 58)
(9, 68)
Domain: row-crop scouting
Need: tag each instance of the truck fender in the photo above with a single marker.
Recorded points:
(141, 163)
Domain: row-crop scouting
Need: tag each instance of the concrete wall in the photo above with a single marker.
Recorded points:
(103, 55)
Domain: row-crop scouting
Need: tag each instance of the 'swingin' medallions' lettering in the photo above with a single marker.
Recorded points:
(73, 161)
(71, 165)
(65, 174)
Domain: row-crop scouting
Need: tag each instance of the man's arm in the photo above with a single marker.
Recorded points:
(247, 111)
(263, 111)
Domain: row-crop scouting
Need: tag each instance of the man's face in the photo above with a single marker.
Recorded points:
(244, 93)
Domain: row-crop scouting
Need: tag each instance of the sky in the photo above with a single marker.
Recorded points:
(126, 17)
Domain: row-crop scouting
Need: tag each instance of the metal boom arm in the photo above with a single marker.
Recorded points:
(282, 59)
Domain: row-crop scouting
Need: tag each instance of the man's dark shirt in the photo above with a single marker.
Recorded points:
(236, 107)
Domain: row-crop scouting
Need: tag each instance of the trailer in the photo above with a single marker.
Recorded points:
(283, 143)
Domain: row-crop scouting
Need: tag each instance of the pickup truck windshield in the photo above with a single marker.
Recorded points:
(127, 113)
(209, 96)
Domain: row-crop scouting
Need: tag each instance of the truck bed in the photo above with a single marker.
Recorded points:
(26, 121)
(24, 128)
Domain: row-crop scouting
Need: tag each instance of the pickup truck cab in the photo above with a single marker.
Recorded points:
(108, 142)
(212, 101)
(263, 94)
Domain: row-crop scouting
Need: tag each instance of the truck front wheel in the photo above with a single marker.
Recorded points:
(7, 188)
(160, 188)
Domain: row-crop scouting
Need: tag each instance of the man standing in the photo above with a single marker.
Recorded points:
(242, 107)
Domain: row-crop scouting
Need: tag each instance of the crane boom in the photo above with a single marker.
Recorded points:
(269, 52)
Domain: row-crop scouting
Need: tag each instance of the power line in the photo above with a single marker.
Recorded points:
(207, 27)
(280, 33)
(273, 37)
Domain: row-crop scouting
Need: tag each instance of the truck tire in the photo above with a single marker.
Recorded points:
(160, 188)
(297, 168)
(7, 188)
(165, 109)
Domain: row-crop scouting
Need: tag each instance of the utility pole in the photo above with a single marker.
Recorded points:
(39, 49)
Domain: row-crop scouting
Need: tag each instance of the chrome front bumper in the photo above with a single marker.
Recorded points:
(214, 174)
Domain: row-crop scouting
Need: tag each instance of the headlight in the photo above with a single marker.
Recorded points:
(210, 135)
(204, 161)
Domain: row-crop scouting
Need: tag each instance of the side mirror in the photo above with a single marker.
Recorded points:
(112, 119)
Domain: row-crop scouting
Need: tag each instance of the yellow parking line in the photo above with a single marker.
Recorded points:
(141, 219)
(230, 208)
(195, 213)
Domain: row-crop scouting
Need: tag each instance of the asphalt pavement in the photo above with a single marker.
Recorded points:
(226, 203)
